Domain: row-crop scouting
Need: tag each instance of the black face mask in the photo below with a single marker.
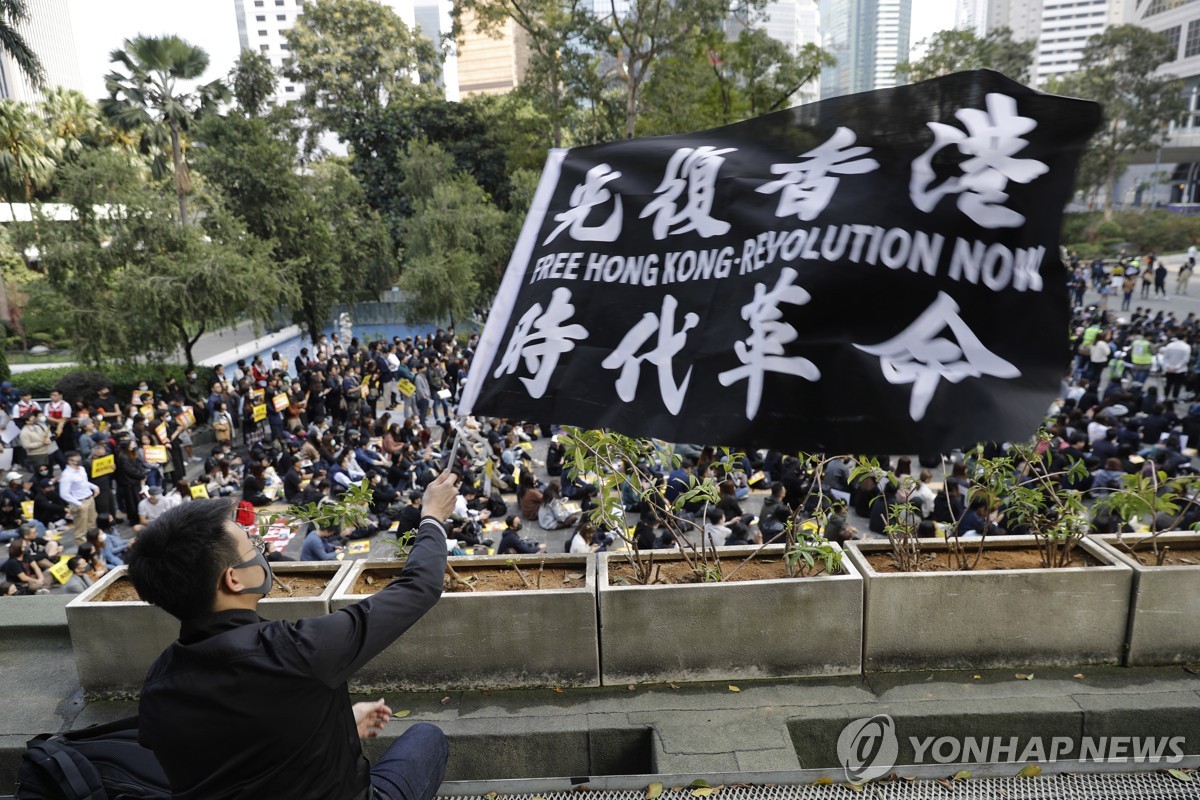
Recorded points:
(260, 560)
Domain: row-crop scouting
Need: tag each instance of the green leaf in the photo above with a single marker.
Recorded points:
(1030, 771)
(961, 775)
(653, 791)
(401, 714)
(704, 792)
(1179, 775)
(699, 783)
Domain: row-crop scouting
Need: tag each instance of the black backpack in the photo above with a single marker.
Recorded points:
(103, 762)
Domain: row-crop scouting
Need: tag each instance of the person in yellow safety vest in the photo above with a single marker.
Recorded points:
(1085, 348)
(1142, 357)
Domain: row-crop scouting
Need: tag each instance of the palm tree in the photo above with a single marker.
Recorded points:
(27, 152)
(73, 120)
(12, 14)
(150, 100)
(27, 163)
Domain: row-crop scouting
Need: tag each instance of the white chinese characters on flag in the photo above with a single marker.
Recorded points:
(875, 273)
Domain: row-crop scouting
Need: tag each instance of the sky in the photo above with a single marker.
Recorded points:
(101, 25)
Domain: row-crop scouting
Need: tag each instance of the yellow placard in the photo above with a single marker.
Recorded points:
(260, 413)
(757, 477)
(187, 418)
(61, 571)
(161, 432)
(259, 395)
(357, 548)
(406, 387)
(105, 465)
(27, 509)
(200, 492)
(280, 401)
(516, 476)
(526, 445)
(147, 411)
(155, 454)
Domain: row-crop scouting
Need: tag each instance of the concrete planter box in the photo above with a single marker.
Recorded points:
(1165, 605)
(726, 631)
(985, 619)
(116, 642)
(492, 640)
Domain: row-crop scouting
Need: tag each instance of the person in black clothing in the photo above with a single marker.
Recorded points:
(511, 541)
(48, 507)
(253, 485)
(231, 675)
(410, 515)
(948, 505)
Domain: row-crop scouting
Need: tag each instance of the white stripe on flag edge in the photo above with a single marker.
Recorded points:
(510, 286)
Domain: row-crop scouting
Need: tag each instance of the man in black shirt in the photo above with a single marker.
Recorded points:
(239, 707)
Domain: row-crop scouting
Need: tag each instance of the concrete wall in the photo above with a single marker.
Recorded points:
(1164, 617)
(115, 643)
(731, 630)
(492, 640)
(993, 618)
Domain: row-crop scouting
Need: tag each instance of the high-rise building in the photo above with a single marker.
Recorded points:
(795, 23)
(868, 38)
(1170, 173)
(48, 33)
(491, 64)
(1061, 28)
(971, 15)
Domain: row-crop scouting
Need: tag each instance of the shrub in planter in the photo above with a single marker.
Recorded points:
(697, 613)
(993, 595)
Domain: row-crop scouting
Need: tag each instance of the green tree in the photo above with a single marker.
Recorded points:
(719, 81)
(648, 30)
(957, 50)
(455, 239)
(134, 280)
(28, 151)
(253, 81)
(13, 13)
(74, 121)
(147, 98)
(331, 245)
(356, 57)
(560, 34)
(200, 277)
(1119, 69)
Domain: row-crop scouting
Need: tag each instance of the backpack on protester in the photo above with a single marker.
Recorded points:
(103, 762)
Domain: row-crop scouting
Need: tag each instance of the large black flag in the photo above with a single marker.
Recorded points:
(872, 273)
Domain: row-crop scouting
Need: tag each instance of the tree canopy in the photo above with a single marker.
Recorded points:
(957, 50)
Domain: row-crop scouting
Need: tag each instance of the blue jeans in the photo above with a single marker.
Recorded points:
(413, 766)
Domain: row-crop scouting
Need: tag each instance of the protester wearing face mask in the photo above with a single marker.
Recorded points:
(101, 543)
(511, 541)
(232, 675)
(36, 439)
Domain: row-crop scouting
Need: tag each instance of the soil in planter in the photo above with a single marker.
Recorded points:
(305, 585)
(1007, 558)
(677, 572)
(487, 579)
(1179, 554)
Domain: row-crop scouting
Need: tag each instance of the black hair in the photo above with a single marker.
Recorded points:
(180, 557)
(74, 561)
